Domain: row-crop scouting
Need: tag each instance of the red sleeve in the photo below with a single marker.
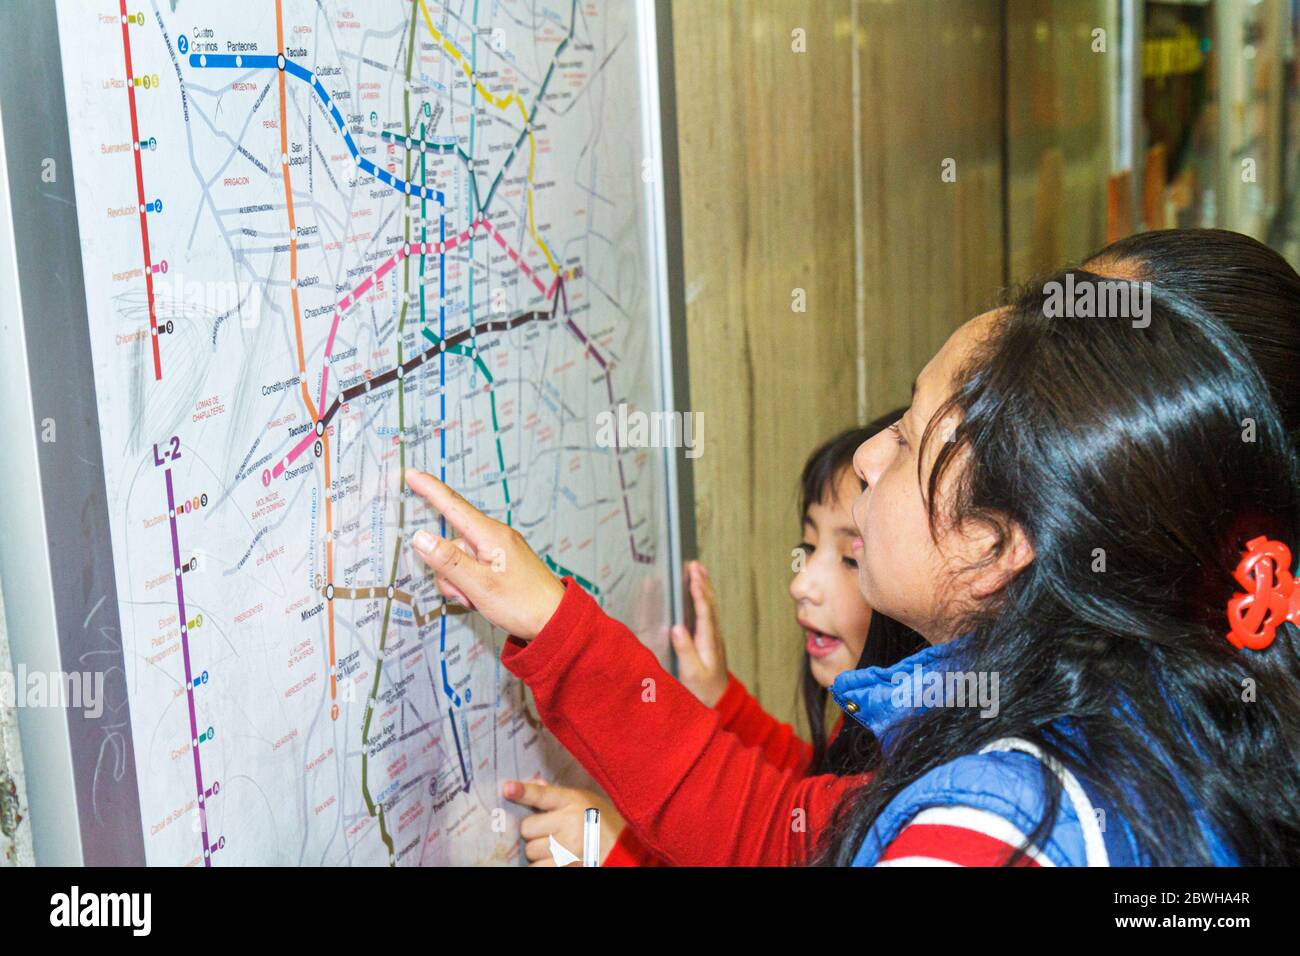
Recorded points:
(628, 850)
(742, 715)
(662, 756)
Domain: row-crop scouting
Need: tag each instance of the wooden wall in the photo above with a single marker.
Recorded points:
(766, 140)
(1060, 94)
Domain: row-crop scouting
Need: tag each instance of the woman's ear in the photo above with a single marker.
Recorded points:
(1010, 552)
(1019, 553)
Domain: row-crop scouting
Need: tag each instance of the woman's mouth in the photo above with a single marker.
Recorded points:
(821, 645)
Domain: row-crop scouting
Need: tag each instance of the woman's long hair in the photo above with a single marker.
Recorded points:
(887, 641)
(1239, 280)
(1138, 459)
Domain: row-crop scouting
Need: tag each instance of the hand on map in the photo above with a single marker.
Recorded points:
(561, 814)
(489, 567)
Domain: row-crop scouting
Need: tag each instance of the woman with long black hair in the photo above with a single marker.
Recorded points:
(1086, 516)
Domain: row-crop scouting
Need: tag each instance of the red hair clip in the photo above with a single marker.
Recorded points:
(1271, 597)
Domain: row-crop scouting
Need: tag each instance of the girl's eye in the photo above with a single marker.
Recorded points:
(850, 563)
(898, 435)
(806, 548)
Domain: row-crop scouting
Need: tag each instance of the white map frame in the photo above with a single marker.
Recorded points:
(55, 549)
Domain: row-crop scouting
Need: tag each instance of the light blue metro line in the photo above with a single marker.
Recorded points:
(266, 61)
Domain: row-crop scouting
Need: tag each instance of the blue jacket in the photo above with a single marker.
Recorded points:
(1004, 778)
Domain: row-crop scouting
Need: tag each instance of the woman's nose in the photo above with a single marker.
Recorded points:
(872, 456)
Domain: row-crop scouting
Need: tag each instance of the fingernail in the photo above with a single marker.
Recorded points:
(423, 542)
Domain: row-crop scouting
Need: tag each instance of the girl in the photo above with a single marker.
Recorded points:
(1071, 439)
(833, 621)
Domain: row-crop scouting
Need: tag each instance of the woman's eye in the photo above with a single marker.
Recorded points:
(806, 548)
(898, 435)
(850, 563)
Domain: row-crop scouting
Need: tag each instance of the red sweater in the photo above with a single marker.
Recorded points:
(740, 714)
(683, 777)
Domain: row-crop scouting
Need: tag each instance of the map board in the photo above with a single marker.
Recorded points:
(267, 254)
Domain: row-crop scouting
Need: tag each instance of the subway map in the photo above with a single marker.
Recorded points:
(324, 242)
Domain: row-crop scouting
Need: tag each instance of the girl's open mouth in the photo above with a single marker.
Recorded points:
(821, 645)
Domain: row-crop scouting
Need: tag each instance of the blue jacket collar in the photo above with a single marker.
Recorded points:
(871, 695)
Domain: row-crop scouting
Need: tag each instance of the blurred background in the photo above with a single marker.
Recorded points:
(814, 139)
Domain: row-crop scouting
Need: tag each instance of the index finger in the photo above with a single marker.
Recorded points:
(535, 795)
(473, 525)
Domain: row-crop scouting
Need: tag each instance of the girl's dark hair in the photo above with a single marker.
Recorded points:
(887, 641)
(1158, 450)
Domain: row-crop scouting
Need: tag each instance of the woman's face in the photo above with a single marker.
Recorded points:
(827, 602)
(904, 570)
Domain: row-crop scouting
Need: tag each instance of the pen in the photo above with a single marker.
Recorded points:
(591, 837)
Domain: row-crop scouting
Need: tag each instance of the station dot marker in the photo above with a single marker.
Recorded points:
(178, 572)
(293, 283)
(196, 742)
(124, 18)
(155, 331)
(137, 147)
(203, 59)
(279, 61)
(239, 60)
(284, 159)
(329, 592)
(391, 590)
(320, 428)
(442, 248)
(171, 513)
(359, 160)
(400, 371)
(142, 208)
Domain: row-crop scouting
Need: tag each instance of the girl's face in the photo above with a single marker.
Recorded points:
(916, 577)
(827, 602)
